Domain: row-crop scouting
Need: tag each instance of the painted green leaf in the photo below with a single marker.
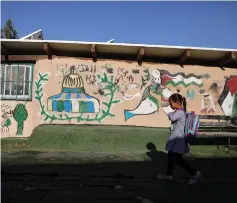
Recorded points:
(107, 94)
(105, 77)
(112, 79)
(147, 77)
(53, 117)
(110, 114)
(45, 75)
(107, 87)
(115, 101)
(7, 122)
(187, 93)
(37, 84)
(118, 88)
(98, 76)
(105, 104)
(103, 111)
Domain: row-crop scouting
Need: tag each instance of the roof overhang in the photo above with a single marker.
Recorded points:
(138, 52)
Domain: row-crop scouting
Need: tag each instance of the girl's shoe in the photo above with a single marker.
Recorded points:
(195, 178)
(164, 177)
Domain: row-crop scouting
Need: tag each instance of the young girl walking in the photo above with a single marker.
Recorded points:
(177, 144)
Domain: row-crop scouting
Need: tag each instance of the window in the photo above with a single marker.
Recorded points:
(16, 81)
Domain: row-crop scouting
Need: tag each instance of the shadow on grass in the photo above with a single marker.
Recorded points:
(213, 141)
(98, 182)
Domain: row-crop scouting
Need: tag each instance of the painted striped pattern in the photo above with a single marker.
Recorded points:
(73, 102)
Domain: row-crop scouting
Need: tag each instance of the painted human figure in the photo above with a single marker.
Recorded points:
(5, 119)
(207, 104)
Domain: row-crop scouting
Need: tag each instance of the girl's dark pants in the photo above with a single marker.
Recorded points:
(178, 158)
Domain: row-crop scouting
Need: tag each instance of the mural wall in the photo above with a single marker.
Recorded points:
(79, 91)
(13, 117)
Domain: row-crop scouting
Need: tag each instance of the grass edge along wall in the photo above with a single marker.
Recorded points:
(79, 91)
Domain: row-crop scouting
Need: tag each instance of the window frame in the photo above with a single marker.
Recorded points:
(18, 97)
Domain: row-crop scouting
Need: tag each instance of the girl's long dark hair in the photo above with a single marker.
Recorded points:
(179, 98)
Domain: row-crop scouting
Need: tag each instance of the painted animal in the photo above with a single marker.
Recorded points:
(148, 105)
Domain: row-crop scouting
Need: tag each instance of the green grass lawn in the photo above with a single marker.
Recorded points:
(100, 139)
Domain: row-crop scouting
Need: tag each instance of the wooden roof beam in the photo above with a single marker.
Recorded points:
(140, 55)
(5, 51)
(93, 52)
(231, 56)
(184, 57)
(48, 50)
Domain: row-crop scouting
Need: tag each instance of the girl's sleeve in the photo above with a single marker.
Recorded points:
(175, 116)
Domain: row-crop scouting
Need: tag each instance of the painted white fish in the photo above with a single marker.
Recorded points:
(148, 105)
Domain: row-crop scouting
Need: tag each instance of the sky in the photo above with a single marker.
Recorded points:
(196, 24)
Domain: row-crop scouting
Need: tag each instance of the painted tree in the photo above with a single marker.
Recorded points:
(9, 31)
(20, 115)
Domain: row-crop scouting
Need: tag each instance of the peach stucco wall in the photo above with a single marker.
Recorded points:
(125, 83)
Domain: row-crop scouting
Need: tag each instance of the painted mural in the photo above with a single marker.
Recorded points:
(74, 99)
(9, 115)
(228, 98)
(156, 95)
(207, 104)
(153, 90)
(6, 114)
(110, 92)
(149, 104)
(20, 115)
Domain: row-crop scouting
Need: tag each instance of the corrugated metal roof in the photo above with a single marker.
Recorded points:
(111, 50)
